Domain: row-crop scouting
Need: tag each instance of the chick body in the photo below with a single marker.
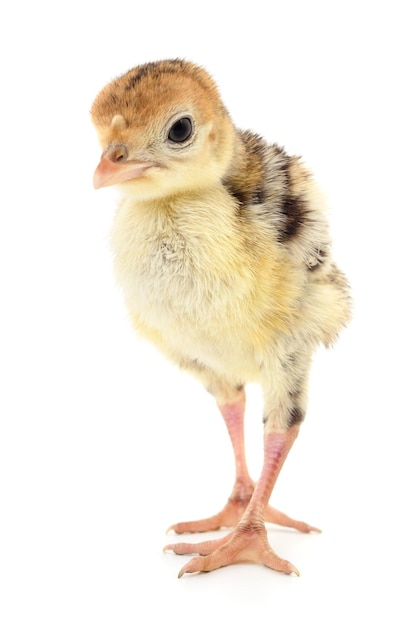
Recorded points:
(221, 242)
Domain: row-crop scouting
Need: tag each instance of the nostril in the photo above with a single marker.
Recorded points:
(117, 153)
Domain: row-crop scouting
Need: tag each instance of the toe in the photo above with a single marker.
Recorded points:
(192, 567)
(277, 517)
(202, 547)
(274, 562)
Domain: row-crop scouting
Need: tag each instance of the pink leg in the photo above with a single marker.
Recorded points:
(233, 414)
(228, 517)
(248, 541)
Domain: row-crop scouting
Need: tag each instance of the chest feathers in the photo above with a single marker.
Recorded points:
(190, 270)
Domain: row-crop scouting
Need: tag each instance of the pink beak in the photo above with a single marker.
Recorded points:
(114, 167)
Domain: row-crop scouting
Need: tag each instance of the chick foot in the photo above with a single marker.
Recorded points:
(231, 514)
(248, 543)
(228, 517)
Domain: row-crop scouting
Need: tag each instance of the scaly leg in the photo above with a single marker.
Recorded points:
(248, 541)
(233, 414)
(229, 516)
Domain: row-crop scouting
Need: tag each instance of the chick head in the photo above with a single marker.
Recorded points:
(163, 129)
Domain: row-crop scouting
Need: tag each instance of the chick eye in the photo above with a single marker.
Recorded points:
(181, 130)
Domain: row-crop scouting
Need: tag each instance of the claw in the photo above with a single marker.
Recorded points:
(190, 568)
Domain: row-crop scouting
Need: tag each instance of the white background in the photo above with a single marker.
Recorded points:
(102, 443)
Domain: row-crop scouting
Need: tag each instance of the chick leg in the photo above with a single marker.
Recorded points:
(233, 414)
(248, 542)
(284, 384)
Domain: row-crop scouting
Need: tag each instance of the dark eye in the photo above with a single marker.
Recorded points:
(181, 130)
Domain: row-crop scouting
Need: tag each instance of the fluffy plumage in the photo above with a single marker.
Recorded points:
(223, 253)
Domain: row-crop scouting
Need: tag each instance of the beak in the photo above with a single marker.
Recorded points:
(114, 167)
